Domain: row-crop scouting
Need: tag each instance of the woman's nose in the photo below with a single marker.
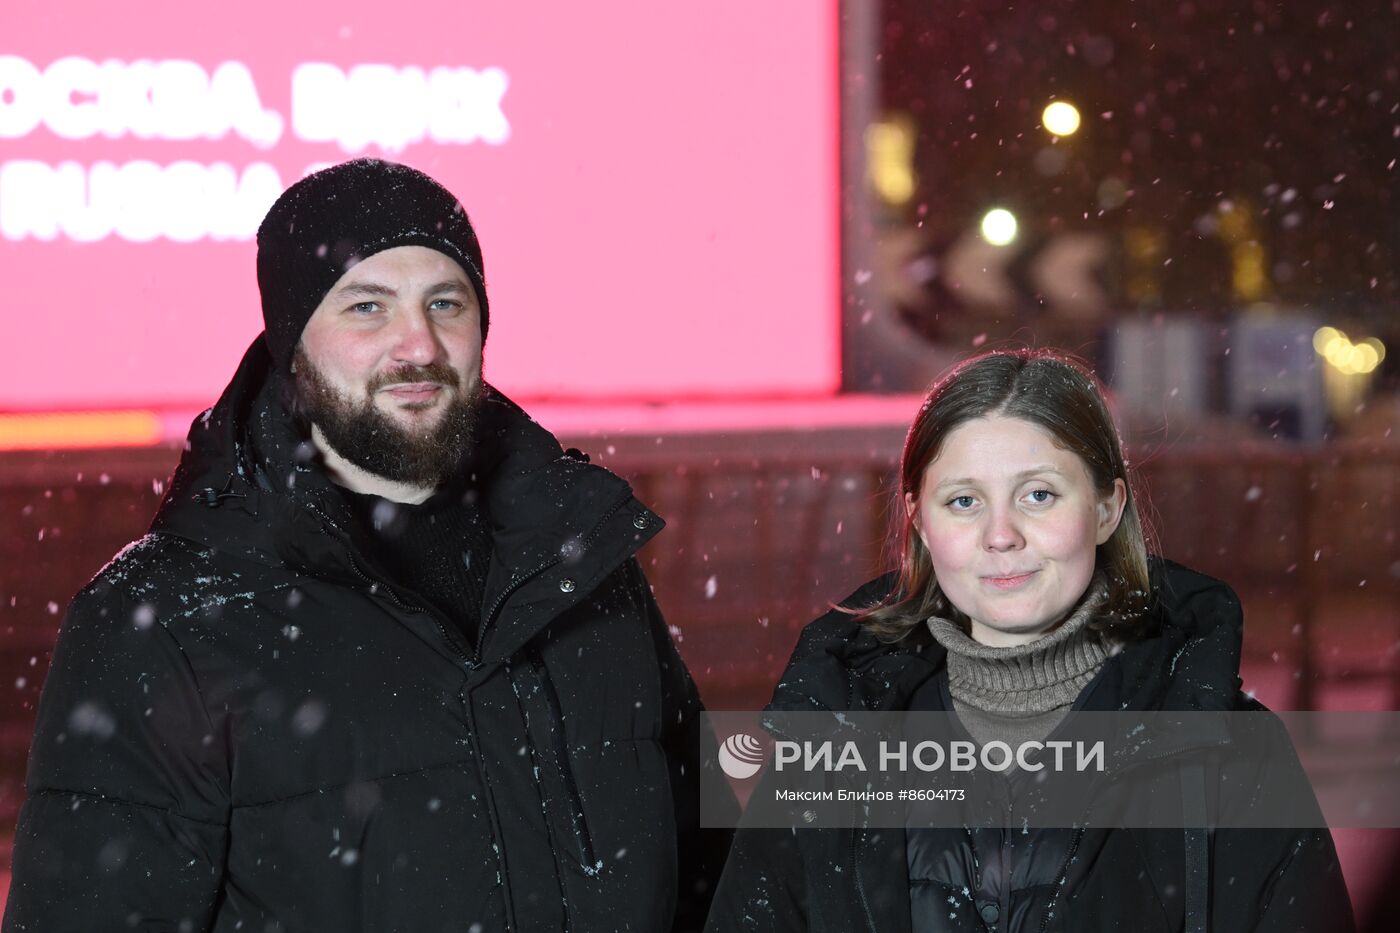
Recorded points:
(1002, 531)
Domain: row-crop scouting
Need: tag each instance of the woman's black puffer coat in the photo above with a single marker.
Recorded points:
(947, 880)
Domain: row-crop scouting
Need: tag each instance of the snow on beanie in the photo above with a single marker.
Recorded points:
(330, 220)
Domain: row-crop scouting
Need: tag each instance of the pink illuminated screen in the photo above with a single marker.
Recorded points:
(654, 184)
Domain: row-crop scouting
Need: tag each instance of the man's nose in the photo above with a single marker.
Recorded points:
(415, 340)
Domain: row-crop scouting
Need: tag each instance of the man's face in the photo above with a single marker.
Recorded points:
(389, 365)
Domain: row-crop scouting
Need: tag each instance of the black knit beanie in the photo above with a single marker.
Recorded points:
(324, 224)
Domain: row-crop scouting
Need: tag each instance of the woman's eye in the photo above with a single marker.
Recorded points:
(961, 503)
(1041, 496)
(365, 307)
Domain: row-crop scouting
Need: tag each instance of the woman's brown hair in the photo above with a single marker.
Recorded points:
(1061, 396)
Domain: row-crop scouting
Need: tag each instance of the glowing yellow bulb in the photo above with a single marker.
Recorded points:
(1349, 358)
(999, 226)
(1379, 347)
(890, 149)
(1337, 350)
(1323, 336)
(1060, 118)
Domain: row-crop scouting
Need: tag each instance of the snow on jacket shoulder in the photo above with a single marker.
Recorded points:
(128, 781)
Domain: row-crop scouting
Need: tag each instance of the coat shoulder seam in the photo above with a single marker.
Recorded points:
(122, 801)
(376, 779)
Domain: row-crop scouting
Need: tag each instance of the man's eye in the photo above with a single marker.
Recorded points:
(445, 304)
(365, 307)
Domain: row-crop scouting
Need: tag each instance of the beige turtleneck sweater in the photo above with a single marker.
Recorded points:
(1021, 694)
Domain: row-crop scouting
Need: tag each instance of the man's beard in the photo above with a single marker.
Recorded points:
(373, 441)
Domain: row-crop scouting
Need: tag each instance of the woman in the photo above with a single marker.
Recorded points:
(1024, 590)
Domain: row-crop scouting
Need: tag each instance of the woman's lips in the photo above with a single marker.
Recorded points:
(1009, 583)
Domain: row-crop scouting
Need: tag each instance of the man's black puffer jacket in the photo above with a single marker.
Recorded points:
(1015, 881)
(246, 727)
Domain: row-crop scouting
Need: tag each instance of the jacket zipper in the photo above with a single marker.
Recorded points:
(1060, 880)
(860, 883)
(561, 757)
(497, 834)
(566, 772)
(1004, 869)
(517, 581)
(472, 659)
(561, 750)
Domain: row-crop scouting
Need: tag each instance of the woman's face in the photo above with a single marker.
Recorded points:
(1012, 523)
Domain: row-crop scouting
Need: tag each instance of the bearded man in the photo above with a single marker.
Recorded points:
(386, 660)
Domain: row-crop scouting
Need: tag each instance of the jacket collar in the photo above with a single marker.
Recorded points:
(1187, 657)
(249, 485)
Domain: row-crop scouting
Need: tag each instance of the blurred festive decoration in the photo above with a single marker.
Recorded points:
(1060, 118)
(1350, 369)
(889, 148)
(1347, 357)
(1144, 248)
(999, 226)
(1237, 225)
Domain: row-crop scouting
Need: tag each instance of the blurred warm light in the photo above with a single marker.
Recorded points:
(59, 430)
(1347, 357)
(999, 226)
(1060, 118)
(889, 146)
(1324, 336)
(1375, 344)
(1144, 249)
(1236, 223)
(1364, 357)
(1249, 274)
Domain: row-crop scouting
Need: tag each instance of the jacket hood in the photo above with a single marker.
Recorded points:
(246, 474)
(1187, 657)
(249, 485)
